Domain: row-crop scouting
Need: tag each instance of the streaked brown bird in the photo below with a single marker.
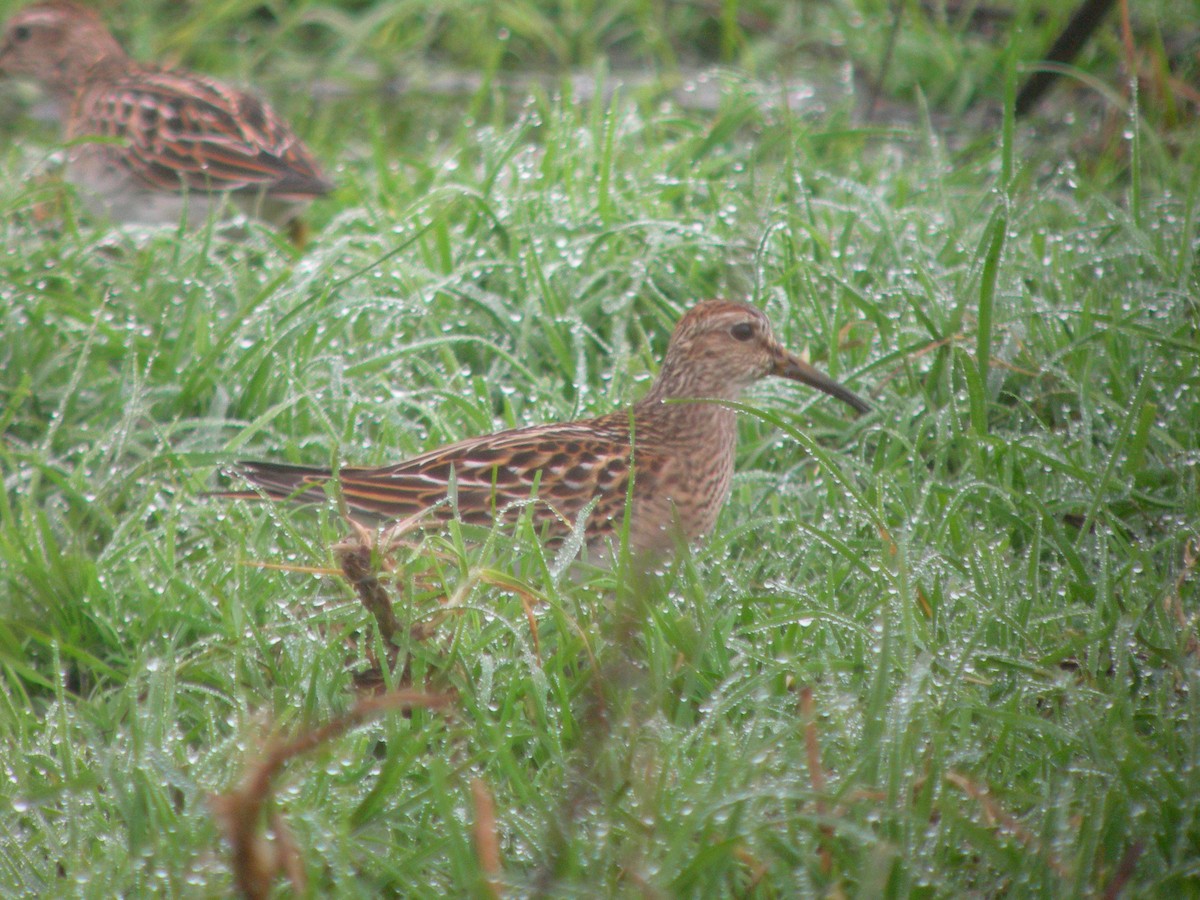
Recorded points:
(677, 443)
(169, 143)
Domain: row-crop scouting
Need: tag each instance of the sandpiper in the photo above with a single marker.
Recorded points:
(676, 443)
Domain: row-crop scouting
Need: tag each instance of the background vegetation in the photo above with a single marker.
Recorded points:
(947, 649)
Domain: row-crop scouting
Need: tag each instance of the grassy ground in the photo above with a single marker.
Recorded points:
(947, 649)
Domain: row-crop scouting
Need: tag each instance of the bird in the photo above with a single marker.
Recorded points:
(676, 444)
(165, 143)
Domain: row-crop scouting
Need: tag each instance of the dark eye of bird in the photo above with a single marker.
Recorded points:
(742, 331)
(20, 33)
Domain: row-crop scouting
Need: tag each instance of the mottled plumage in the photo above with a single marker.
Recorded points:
(681, 452)
(171, 141)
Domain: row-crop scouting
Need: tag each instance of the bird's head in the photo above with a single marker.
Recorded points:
(719, 348)
(57, 43)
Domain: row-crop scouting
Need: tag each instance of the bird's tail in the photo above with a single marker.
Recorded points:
(278, 481)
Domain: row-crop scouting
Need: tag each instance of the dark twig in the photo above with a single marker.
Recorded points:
(255, 860)
(487, 840)
(1072, 39)
(1124, 871)
(816, 774)
(354, 556)
(886, 64)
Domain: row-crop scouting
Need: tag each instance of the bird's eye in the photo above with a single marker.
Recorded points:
(21, 33)
(742, 331)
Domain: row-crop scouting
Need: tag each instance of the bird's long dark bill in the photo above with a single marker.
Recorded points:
(789, 366)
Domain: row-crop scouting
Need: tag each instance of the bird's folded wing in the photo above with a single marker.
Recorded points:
(564, 466)
(187, 132)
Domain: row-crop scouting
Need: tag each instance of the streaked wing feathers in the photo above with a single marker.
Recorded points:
(571, 464)
(186, 131)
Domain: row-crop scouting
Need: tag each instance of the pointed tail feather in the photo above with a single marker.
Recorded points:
(278, 481)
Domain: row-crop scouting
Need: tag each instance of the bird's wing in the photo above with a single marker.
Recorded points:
(484, 477)
(187, 132)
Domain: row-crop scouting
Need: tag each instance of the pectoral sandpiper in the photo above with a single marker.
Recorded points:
(678, 442)
(170, 141)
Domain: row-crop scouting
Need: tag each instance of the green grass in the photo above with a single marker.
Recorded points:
(978, 581)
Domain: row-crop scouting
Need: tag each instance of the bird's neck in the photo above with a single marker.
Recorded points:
(88, 65)
(103, 69)
(704, 426)
(685, 380)
(686, 401)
